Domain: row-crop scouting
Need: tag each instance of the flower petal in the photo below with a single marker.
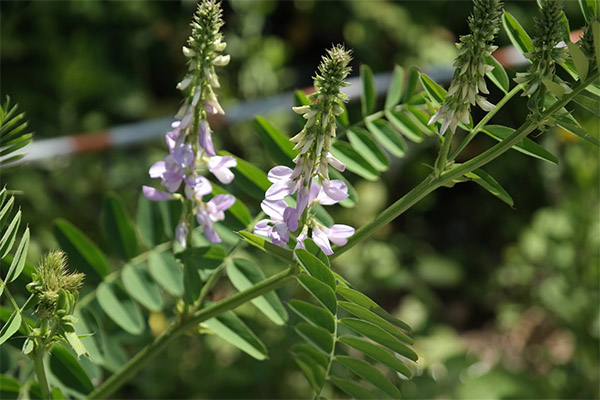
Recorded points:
(335, 163)
(338, 234)
(290, 217)
(205, 138)
(158, 169)
(155, 194)
(219, 166)
(181, 232)
(210, 234)
(321, 240)
(222, 202)
(334, 192)
(274, 208)
(279, 190)
(279, 173)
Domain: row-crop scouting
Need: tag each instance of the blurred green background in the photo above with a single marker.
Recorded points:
(503, 302)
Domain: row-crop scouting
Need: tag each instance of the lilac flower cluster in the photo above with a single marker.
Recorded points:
(190, 141)
(309, 179)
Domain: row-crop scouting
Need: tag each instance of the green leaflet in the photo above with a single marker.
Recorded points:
(117, 304)
(312, 363)
(9, 236)
(350, 388)
(86, 323)
(353, 160)
(315, 267)
(66, 368)
(313, 314)
(588, 9)
(141, 286)
(588, 101)
(436, 93)
(394, 93)
(377, 353)
(525, 146)
(268, 247)
(368, 96)
(165, 270)
(232, 329)
(316, 251)
(317, 336)
(320, 291)
(498, 75)
(387, 137)
(579, 59)
(278, 145)
(83, 253)
(380, 336)
(365, 314)
(9, 387)
(411, 84)
(244, 274)
(194, 260)
(118, 228)
(18, 261)
(11, 327)
(517, 35)
(366, 147)
(149, 222)
(487, 182)
(370, 374)
(405, 125)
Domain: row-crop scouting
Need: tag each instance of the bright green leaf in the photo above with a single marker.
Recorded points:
(268, 247)
(487, 182)
(402, 121)
(117, 304)
(313, 314)
(9, 236)
(366, 147)
(579, 59)
(525, 146)
(436, 93)
(517, 34)
(74, 341)
(141, 286)
(243, 274)
(387, 136)
(411, 84)
(316, 251)
(353, 160)
(588, 9)
(498, 75)
(394, 93)
(18, 261)
(11, 327)
(165, 270)
(230, 328)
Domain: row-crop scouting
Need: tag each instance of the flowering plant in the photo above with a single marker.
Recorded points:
(345, 333)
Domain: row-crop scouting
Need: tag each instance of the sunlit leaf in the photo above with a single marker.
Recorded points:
(394, 93)
(387, 137)
(487, 182)
(366, 147)
(401, 121)
(11, 327)
(498, 74)
(141, 286)
(436, 93)
(232, 329)
(315, 267)
(243, 274)
(268, 247)
(517, 35)
(525, 146)
(165, 270)
(353, 160)
(18, 261)
(316, 251)
(9, 235)
(117, 304)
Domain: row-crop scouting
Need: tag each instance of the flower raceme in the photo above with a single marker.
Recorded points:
(309, 179)
(190, 144)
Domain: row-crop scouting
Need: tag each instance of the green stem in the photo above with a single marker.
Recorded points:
(40, 371)
(431, 183)
(484, 121)
(138, 361)
(440, 162)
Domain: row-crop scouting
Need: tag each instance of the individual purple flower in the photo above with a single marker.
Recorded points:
(205, 138)
(282, 222)
(219, 167)
(211, 212)
(169, 171)
(155, 194)
(283, 183)
(337, 234)
(196, 187)
(175, 137)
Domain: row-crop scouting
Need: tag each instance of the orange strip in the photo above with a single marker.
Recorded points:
(95, 141)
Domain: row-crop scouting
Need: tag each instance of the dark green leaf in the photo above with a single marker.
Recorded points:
(320, 291)
(370, 374)
(316, 336)
(117, 304)
(411, 84)
(579, 59)
(366, 147)
(170, 212)
(588, 101)
(249, 178)
(149, 222)
(118, 228)
(376, 353)
(351, 388)
(354, 161)
(572, 126)
(380, 336)
(312, 369)
(588, 9)
(368, 96)
(369, 316)
(394, 93)
(362, 300)
(313, 314)
(11, 327)
(316, 251)
(402, 121)
(319, 358)
(141, 286)
(557, 90)
(436, 93)
(243, 274)
(165, 270)
(517, 34)
(9, 236)
(315, 267)
(18, 261)
(9, 388)
(278, 145)
(498, 74)
(86, 322)
(486, 181)
(596, 34)
(230, 328)
(83, 254)
(5, 211)
(525, 146)
(268, 247)
(204, 258)
(387, 136)
(66, 368)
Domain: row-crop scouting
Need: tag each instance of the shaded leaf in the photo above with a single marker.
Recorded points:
(351, 388)
(83, 254)
(411, 84)
(314, 373)
(394, 93)
(315, 267)
(118, 228)
(376, 353)
(525, 146)
(9, 235)
(18, 261)
(387, 137)
(243, 274)
(9, 387)
(365, 314)
(588, 101)
(316, 251)
(117, 304)
(368, 95)
(316, 336)
(278, 145)
(149, 222)
(588, 9)
(517, 35)
(498, 75)
(141, 286)
(66, 368)
(487, 182)
(232, 329)
(370, 374)
(320, 291)
(165, 270)
(366, 147)
(436, 93)
(313, 314)
(579, 59)
(319, 358)
(354, 161)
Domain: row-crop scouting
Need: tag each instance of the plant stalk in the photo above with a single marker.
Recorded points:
(40, 372)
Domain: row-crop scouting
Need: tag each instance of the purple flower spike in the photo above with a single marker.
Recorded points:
(205, 138)
(155, 194)
(211, 212)
(219, 166)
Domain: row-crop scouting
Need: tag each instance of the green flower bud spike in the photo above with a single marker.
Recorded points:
(471, 67)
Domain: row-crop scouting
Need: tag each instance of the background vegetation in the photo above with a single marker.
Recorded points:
(503, 302)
